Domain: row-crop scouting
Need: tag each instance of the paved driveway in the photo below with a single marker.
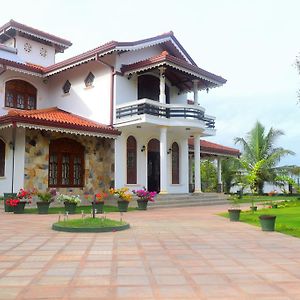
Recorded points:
(178, 253)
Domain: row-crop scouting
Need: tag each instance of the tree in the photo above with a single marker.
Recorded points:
(230, 168)
(208, 176)
(261, 155)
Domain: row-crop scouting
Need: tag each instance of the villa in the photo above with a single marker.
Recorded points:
(116, 115)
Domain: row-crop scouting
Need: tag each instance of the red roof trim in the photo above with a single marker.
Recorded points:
(55, 117)
(23, 66)
(35, 31)
(165, 57)
(213, 148)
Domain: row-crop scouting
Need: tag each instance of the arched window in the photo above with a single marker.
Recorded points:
(66, 163)
(2, 158)
(148, 87)
(131, 160)
(20, 94)
(175, 163)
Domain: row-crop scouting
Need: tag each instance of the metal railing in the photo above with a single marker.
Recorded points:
(163, 110)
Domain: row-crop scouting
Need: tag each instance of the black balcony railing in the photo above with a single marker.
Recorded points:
(165, 112)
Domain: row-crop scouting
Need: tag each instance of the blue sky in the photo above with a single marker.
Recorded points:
(253, 44)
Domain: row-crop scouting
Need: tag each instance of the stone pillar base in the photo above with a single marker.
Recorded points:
(197, 192)
(220, 188)
(163, 192)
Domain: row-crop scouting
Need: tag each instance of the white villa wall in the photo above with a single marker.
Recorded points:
(90, 102)
(37, 82)
(143, 139)
(34, 55)
(6, 181)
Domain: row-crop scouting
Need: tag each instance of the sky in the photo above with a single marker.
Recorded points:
(251, 43)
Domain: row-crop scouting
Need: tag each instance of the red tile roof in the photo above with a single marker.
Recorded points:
(41, 34)
(165, 57)
(55, 117)
(213, 148)
(24, 66)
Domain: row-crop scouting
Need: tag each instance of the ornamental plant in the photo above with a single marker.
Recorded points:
(24, 195)
(47, 196)
(100, 197)
(12, 202)
(145, 195)
(75, 199)
(122, 193)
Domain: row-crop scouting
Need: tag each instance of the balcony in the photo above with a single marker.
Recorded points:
(133, 109)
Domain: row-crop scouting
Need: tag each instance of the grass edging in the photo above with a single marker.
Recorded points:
(89, 225)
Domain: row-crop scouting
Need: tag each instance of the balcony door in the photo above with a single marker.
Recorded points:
(148, 87)
(153, 166)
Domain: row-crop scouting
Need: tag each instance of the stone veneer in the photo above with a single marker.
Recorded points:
(99, 161)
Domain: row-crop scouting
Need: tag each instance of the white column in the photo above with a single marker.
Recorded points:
(163, 160)
(196, 100)
(184, 165)
(197, 164)
(190, 169)
(219, 169)
(162, 85)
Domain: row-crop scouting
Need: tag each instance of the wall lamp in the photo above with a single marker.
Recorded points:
(169, 151)
(143, 148)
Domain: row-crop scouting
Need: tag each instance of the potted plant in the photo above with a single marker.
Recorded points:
(234, 211)
(267, 222)
(6, 197)
(124, 197)
(143, 197)
(45, 199)
(70, 202)
(18, 203)
(98, 201)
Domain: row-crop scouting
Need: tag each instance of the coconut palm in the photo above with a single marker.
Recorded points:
(260, 153)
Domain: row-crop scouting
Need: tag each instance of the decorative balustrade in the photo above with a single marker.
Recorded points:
(169, 111)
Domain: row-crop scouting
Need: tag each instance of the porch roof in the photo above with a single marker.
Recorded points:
(209, 148)
(179, 71)
(55, 119)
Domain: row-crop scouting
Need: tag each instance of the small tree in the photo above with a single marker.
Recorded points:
(230, 172)
(208, 176)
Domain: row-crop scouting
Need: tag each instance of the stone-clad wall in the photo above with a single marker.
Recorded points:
(99, 161)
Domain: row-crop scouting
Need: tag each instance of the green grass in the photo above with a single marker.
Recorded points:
(257, 199)
(287, 217)
(85, 209)
(90, 222)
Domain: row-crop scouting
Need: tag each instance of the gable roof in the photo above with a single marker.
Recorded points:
(54, 117)
(12, 26)
(210, 148)
(166, 59)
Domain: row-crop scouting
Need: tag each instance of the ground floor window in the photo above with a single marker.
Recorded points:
(131, 160)
(175, 163)
(2, 158)
(66, 163)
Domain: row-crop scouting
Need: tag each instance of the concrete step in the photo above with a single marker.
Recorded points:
(182, 200)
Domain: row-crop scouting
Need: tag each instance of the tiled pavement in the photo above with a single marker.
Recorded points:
(179, 253)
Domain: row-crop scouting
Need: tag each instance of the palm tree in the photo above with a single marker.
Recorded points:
(260, 153)
(230, 168)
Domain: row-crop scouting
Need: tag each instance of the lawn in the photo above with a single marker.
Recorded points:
(287, 217)
(90, 222)
(257, 199)
(85, 209)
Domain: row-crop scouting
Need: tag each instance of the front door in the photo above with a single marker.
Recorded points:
(153, 166)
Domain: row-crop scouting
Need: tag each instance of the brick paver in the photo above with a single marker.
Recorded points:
(178, 253)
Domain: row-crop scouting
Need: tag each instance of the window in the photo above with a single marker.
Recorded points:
(131, 160)
(175, 163)
(66, 87)
(88, 81)
(20, 94)
(66, 163)
(2, 158)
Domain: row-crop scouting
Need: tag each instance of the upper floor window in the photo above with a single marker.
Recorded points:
(148, 87)
(2, 158)
(20, 94)
(89, 80)
(66, 163)
(66, 87)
